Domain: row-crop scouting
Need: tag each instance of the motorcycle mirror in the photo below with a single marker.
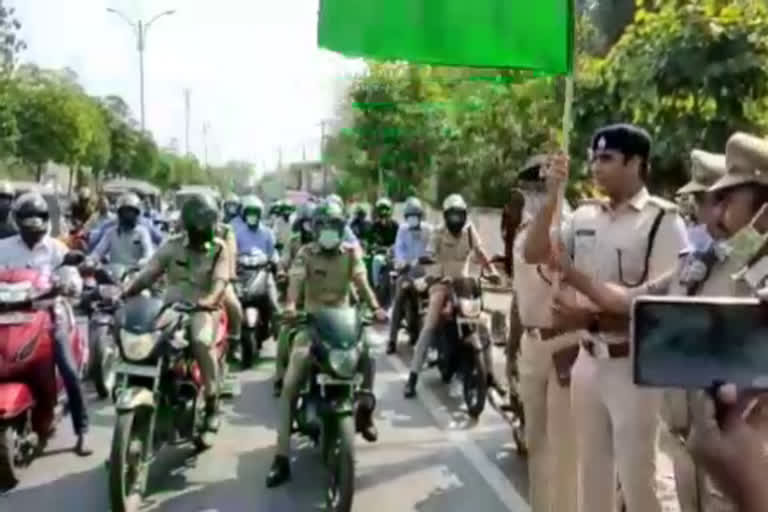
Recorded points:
(73, 258)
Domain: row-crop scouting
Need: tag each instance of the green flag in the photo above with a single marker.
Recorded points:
(524, 34)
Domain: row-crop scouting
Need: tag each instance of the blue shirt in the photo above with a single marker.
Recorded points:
(95, 235)
(699, 238)
(247, 239)
(411, 244)
(349, 236)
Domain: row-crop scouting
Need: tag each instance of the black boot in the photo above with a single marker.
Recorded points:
(211, 414)
(278, 390)
(280, 472)
(365, 424)
(391, 347)
(81, 447)
(494, 383)
(410, 386)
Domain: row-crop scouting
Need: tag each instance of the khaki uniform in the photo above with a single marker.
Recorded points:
(326, 281)
(286, 334)
(549, 432)
(452, 254)
(617, 422)
(191, 275)
(231, 303)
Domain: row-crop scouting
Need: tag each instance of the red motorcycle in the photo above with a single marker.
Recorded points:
(32, 398)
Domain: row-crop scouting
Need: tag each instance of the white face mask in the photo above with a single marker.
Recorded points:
(413, 221)
(329, 239)
(252, 220)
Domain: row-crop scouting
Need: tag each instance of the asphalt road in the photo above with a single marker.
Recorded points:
(429, 458)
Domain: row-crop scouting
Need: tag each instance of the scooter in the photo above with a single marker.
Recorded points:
(32, 398)
(159, 394)
(253, 272)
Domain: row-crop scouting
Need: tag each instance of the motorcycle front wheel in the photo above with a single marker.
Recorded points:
(9, 471)
(126, 460)
(475, 385)
(341, 467)
(250, 347)
(104, 360)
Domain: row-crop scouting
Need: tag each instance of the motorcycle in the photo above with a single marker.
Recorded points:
(415, 289)
(102, 285)
(384, 283)
(459, 344)
(326, 410)
(253, 271)
(32, 398)
(159, 394)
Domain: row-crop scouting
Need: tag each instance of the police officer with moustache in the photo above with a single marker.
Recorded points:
(631, 238)
(735, 265)
(325, 269)
(198, 270)
(547, 353)
(451, 245)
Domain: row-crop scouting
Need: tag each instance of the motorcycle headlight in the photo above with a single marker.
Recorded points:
(470, 307)
(136, 346)
(344, 362)
(420, 284)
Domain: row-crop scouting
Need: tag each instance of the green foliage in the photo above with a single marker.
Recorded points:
(691, 73)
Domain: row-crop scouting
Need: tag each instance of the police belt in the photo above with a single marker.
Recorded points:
(545, 333)
(606, 350)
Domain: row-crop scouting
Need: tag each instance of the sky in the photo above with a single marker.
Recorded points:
(253, 69)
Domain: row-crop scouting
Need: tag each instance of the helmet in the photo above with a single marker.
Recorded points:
(287, 207)
(454, 213)
(84, 194)
(360, 210)
(7, 190)
(336, 198)
(129, 200)
(328, 225)
(252, 210)
(30, 211)
(199, 216)
(413, 207)
(305, 211)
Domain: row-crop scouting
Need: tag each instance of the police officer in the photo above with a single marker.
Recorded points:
(451, 245)
(126, 243)
(718, 270)
(706, 168)
(382, 234)
(7, 226)
(226, 233)
(630, 238)
(410, 245)
(546, 356)
(360, 224)
(325, 269)
(197, 268)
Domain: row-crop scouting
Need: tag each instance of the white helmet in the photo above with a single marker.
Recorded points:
(454, 202)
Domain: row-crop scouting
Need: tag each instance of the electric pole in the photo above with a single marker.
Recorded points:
(187, 107)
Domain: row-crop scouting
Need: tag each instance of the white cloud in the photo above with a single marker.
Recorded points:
(253, 67)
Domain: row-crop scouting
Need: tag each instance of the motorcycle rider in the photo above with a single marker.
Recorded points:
(383, 235)
(82, 211)
(156, 235)
(7, 226)
(410, 244)
(360, 224)
(33, 247)
(301, 235)
(251, 234)
(452, 246)
(332, 266)
(282, 224)
(127, 243)
(196, 265)
(232, 207)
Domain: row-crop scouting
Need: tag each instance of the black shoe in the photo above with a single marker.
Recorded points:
(410, 386)
(280, 472)
(81, 448)
(212, 414)
(391, 347)
(493, 383)
(278, 390)
(365, 425)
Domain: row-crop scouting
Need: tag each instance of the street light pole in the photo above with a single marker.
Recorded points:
(140, 28)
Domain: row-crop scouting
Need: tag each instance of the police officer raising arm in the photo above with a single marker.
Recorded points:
(629, 239)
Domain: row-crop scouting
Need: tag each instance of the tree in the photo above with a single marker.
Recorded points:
(10, 43)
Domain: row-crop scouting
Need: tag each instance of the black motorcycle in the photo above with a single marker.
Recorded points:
(415, 298)
(252, 287)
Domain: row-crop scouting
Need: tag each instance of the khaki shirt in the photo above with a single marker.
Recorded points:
(611, 244)
(326, 278)
(190, 274)
(227, 234)
(452, 253)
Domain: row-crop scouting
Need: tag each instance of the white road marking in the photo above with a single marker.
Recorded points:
(504, 490)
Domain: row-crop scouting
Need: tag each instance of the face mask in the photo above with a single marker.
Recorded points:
(306, 226)
(413, 221)
(329, 239)
(252, 220)
(198, 238)
(744, 244)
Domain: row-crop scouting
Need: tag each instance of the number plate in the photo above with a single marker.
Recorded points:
(327, 380)
(15, 318)
(138, 370)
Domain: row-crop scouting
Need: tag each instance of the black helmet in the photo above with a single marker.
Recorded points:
(199, 216)
(30, 211)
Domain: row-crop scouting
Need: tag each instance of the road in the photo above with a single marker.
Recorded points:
(429, 458)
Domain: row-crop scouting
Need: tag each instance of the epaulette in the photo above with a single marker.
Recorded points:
(660, 202)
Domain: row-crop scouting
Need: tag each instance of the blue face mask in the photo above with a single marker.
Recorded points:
(413, 221)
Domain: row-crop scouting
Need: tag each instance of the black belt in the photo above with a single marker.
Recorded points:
(615, 350)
